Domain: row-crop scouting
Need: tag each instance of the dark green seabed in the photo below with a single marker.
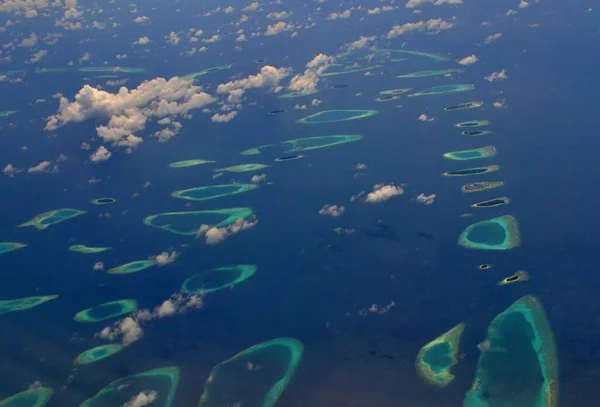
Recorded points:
(518, 365)
(436, 358)
(501, 233)
(218, 279)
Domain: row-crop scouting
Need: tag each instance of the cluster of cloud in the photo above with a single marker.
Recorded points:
(164, 258)
(308, 80)
(360, 43)
(434, 25)
(332, 210)
(426, 199)
(382, 192)
(257, 179)
(497, 76)
(424, 118)
(419, 3)
(470, 60)
(98, 266)
(278, 28)
(313, 103)
(10, 170)
(379, 10)
(213, 235)
(26, 8)
(128, 111)
(342, 15)
(142, 399)
(129, 329)
(268, 77)
(490, 38)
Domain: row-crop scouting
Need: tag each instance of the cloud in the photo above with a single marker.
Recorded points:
(142, 399)
(98, 266)
(426, 199)
(29, 41)
(228, 10)
(468, 60)
(383, 192)
(214, 235)
(500, 104)
(101, 154)
(37, 57)
(127, 111)
(145, 40)
(379, 10)
(433, 25)
(141, 19)
(308, 80)
(332, 210)
(254, 6)
(257, 179)
(173, 38)
(268, 77)
(492, 37)
(523, 4)
(497, 76)
(282, 15)
(224, 117)
(44, 166)
(212, 39)
(419, 3)
(337, 16)
(424, 118)
(165, 258)
(278, 28)
(362, 42)
(10, 170)
(510, 12)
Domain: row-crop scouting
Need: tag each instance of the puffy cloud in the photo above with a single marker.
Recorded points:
(212, 39)
(10, 170)
(424, 118)
(426, 199)
(523, 4)
(362, 42)
(383, 192)
(468, 60)
(510, 12)
(214, 235)
(269, 77)
(101, 154)
(332, 210)
(98, 266)
(320, 60)
(142, 399)
(29, 41)
(173, 38)
(44, 166)
(254, 6)
(337, 16)
(145, 40)
(228, 10)
(419, 3)
(224, 117)
(257, 179)
(433, 25)
(168, 133)
(141, 19)
(281, 15)
(379, 10)
(241, 37)
(500, 104)
(308, 80)
(492, 37)
(497, 76)
(37, 57)
(278, 28)
(165, 258)
(127, 110)
(23, 6)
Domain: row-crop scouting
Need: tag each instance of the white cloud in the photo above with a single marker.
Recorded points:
(127, 111)
(282, 15)
(433, 25)
(500, 104)
(254, 6)
(224, 117)
(332, 210)
(44, 166)
(29, 41)
(214, 235)
(173, 38)
(383, 192)
(141, 19)
(268, 77)
(426, 199)
(37, 56)
(523, 4)
(492, 37)
(165, 258)
(142, 40)
(142, 399)
(419, 3)
(257, 179)
(212, 39)
(497, 76)
(362, 42)
(337, 16)
(468, 60)
(228, 10)
(101, 154)
(241, 37)
(424, 118)
(308, 80)
(510, 12)
(10, 170)
(379, 10)
(98, 266)
(278, 28)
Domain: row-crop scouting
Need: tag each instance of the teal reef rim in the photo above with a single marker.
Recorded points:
(80, 248)
(222, 386)
(435, 57)
(106, 311)
(331, 116)
(188, 223)
(425, 74)
(501, 233)
(313, 143)
(444, 90)
(242, 168)
(189, 163)
(6, 247)
(35, 397)
(292, 95)
(103, 201)
(133, 267)
(464, 106)
(23, 304)
(436, 358)
(480, 186)
(218, 279)
(491, 203)
(98, 353)
(472, 154)
(212, 191)
(46, 219)
(472, 171)
(518, 354)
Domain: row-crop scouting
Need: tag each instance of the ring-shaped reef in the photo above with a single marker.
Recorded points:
(444, 90)
(120, 69)
(212, 191)
(243, 168)
(471, 154)
(255, 377)
(518, 364)
(395, 91)
(194, 75)
(81, 248)
(288, 158)
(188, 223)
(473, 123)
(435, 359)
(485, 266)
(35, 397)
(480, 186)
(464, 106)
(23, 304)
(98, 353)
(218, 279)
(519, 276)
(472, 171)
(256, 150)
(341, 115)
(189, 163)
(47, 219)
(387, 98)
(6, 247)
(475, 133)
(6, 113)
(435, 57)
(313, 143)
(106, 311)
(277, 111)
(345, 69)
(103, 201)
(501, 233)
(341, 86)
(163, 381)
(424, 74)
(132, 267)
(491, 203)
(298, 94)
